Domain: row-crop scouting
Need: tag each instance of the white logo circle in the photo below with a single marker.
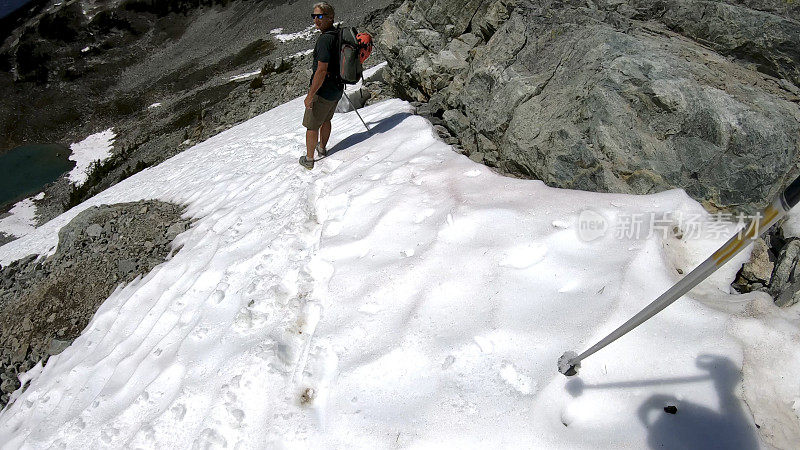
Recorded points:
(591, 225)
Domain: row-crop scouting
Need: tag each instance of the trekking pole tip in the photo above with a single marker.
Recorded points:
(565, 365)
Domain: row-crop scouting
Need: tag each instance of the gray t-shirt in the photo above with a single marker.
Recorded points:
(326, 51)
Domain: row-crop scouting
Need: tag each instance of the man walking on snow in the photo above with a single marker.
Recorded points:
(325, 92)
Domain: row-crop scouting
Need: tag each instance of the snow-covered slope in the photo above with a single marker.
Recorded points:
(400, 295)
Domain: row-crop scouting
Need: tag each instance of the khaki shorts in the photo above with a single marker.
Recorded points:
(321, 111)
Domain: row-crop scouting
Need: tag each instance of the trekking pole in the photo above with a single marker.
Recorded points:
(569, 362)
(356, 110)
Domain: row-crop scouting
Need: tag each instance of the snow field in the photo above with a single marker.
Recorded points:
(400, 295)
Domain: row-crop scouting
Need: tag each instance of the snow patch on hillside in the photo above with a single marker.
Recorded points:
(245, 76)
(21, 218)
(96, 147)
(306, 34)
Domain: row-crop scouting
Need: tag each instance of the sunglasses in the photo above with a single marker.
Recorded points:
(317, 16)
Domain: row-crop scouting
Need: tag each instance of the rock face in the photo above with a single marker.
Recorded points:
(759, 268)
(785, 285)
(612, 95)
(772, 267)
(45, 304)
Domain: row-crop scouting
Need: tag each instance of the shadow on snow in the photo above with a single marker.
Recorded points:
(694, 425)
(378, 127)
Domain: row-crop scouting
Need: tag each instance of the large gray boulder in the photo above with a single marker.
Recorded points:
(612, 95)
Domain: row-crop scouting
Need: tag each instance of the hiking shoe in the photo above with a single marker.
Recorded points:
(306, 163)
(322, 151)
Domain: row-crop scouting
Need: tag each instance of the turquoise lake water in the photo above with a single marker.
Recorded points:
(26, 170)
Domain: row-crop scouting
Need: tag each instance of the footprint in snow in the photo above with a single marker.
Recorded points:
(178, 411)
(330, 210)
(319, 371)
(309, 318)
(250, 318)
(235, 414)
(517, 381)
(407, 253)
(217, 297)
(333, 228)
(210, 438)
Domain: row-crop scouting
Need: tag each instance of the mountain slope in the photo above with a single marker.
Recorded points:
(402, 295)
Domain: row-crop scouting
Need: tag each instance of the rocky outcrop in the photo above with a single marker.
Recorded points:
(46, 303)
(785, 285)
(620, 96)
(772, 267)
(763, 33)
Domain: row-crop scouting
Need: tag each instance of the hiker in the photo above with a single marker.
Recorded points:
(324, 91)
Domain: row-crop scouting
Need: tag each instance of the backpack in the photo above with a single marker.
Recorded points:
(354, 49)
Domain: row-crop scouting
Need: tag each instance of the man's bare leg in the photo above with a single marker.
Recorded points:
(311, 142)
(324, 134)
